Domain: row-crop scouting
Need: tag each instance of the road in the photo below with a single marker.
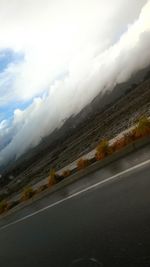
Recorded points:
(108, 223)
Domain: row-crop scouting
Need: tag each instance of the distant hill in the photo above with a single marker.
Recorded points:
(103, 101)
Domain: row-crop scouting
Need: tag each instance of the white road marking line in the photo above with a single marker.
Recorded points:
(78, 193)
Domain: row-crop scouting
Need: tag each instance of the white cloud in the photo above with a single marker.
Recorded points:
(51, 34)
(72, 49)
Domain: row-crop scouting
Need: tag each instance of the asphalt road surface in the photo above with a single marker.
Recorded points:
(106, 225)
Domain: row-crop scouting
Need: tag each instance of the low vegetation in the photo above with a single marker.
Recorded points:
(66, 173)
(143, 127)
(82, 163)
(27, 193)
(53, 178)
(122, 142)
(103, 150)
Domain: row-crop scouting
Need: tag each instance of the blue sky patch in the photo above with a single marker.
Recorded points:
(8, 56)
(7, 111)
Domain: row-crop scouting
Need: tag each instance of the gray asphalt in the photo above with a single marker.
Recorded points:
(109, 225)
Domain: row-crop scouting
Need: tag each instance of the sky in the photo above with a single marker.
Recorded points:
(57, 55)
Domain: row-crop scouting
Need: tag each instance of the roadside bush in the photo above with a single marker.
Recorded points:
(82, 163)
(143, 128)
(103, 150)
(118, 144)
(66, 173)
(27, 193)
(53, 178)
(123, 141)
(129, 137)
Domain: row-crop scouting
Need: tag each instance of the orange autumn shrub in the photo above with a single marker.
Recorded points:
(82, 163)
(103, 150)
(123, 141)
(66, 173)
(27, 193)
(52, 179)
(143, 127)
(119, 144)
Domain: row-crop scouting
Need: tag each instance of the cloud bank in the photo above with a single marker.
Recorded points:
(71, 50)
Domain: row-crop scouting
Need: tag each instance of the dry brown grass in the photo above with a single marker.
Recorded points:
(123, 141)
(103, 150)
(82, 163)
(143, 128)
(52, 179)
(118, 144)
(27, 193)
(66, 173)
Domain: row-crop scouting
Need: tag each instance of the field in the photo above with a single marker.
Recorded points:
(62, 147)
